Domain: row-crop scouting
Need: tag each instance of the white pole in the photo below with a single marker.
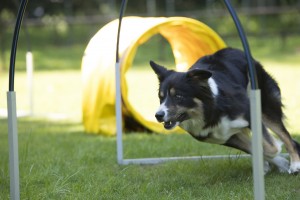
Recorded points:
(257, 149)
(13, 146)
(29, 70)
(151, 7)
(119, 115)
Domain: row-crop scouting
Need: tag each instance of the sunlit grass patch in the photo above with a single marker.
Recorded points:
(59, 161)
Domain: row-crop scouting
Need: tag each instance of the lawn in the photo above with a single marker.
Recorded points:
(58, 160)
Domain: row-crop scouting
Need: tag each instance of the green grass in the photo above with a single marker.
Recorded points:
(59, 161)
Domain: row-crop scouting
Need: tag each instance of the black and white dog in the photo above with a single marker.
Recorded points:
(210, 101)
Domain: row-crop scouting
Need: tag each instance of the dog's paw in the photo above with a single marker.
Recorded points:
(281, 163)
(294, 168)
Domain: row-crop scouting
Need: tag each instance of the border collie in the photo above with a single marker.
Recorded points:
(211, 102)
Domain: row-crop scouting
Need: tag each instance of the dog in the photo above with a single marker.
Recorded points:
(211, 102)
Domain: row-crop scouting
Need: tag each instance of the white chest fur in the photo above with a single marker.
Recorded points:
(218, 134)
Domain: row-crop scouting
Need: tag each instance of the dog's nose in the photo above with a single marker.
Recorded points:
(160, 116)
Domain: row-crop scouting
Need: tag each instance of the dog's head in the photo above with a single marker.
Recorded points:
(183, 95)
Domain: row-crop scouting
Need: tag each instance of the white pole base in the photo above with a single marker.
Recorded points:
(257, 148)
(13, 146)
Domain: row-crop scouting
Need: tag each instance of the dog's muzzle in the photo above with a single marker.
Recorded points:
(168, 124)
(160, 116)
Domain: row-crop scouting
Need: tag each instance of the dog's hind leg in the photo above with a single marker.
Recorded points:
(271, 147)
(292, 146)
(272, 116)
(272, 150)
(241, 141)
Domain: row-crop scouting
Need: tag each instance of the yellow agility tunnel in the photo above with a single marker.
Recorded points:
(189, 40)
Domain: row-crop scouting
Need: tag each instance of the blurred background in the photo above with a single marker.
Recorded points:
(61, 24)
(58, 31)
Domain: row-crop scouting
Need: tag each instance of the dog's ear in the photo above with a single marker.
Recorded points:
(199, 74)
(160, 71)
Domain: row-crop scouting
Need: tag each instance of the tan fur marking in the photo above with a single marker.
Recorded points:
(161, 94)
(270, 151)
(172, 91)
(284, 138)
(197, 101)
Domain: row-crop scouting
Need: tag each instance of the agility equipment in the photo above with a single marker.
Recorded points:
(189, 40)
(255, 107)
(12, 119)
(12, 111)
